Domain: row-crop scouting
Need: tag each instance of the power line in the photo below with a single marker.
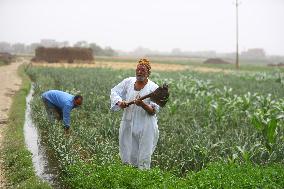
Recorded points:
(237, 36)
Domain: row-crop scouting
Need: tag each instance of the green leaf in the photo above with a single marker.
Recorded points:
(256, 123)
(271, 131)
(280, 116)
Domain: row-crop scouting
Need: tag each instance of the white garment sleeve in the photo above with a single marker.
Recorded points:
(153, 104)
(118, 93)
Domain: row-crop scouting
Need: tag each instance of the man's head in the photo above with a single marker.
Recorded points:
(143, 69)
(78, 100)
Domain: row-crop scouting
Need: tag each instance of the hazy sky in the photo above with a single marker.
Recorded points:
(191, 25)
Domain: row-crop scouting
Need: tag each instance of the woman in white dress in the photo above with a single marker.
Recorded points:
(138, 133)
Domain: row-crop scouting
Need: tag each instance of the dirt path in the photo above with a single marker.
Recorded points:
(127, 65)
(10, 82)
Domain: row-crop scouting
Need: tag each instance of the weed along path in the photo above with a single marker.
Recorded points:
(10, 82)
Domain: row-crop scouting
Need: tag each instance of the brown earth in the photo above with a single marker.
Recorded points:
(10, 83)
(127, 65)
(215, 61)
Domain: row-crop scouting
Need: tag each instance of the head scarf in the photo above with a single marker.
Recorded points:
(145, 62)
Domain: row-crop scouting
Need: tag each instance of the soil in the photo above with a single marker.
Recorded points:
(127, 65)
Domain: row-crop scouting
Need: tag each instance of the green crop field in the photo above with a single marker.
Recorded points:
(217, 130)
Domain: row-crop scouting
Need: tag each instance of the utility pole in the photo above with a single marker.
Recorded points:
(237, 36)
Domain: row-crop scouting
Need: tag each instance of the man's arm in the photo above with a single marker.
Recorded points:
(66, 116)
(149, 109)
(117, 94)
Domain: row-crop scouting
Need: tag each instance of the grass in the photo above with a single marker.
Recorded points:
(2, 63)
(216, 175)
(19, 169)
(219, 175)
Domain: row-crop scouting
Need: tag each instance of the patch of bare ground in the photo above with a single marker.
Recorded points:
(127, 65)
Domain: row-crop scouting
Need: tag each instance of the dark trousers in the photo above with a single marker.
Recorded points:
(53, 112)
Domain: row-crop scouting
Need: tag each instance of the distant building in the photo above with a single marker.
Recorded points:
(48, 43)
(63, 44)
(256, 53)
(53, 43)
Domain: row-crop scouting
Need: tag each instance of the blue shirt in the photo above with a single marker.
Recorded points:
(62, 100)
